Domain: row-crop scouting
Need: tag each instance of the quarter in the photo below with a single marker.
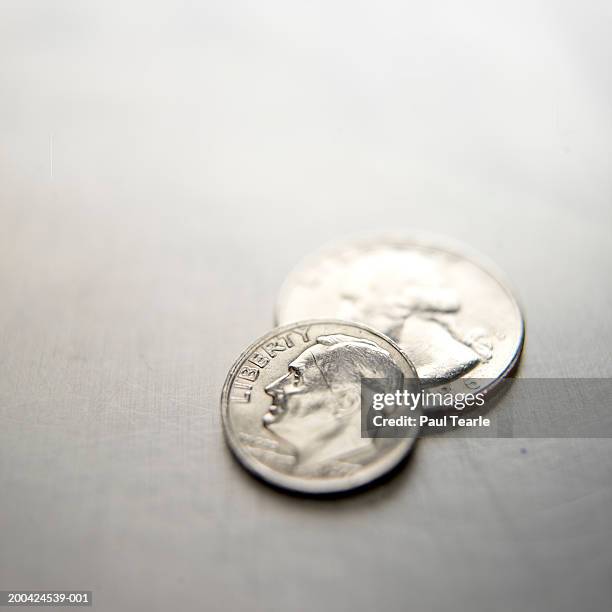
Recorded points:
(451, 314)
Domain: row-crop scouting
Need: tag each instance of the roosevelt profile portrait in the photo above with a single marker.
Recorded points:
(316, 405)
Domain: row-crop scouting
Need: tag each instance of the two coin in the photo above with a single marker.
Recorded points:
(407, 312)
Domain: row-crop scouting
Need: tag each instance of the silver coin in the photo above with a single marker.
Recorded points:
(291, 406)
(457, 322)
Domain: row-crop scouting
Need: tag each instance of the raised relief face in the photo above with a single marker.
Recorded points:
(406, 296)
(316, 404)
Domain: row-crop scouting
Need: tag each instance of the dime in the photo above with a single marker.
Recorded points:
(457, 322)
(291, 406)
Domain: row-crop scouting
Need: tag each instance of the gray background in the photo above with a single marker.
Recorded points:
(163, 165)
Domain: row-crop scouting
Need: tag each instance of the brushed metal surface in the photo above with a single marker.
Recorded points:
(162, 168)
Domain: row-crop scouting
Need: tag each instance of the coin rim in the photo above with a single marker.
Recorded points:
(296, 483)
